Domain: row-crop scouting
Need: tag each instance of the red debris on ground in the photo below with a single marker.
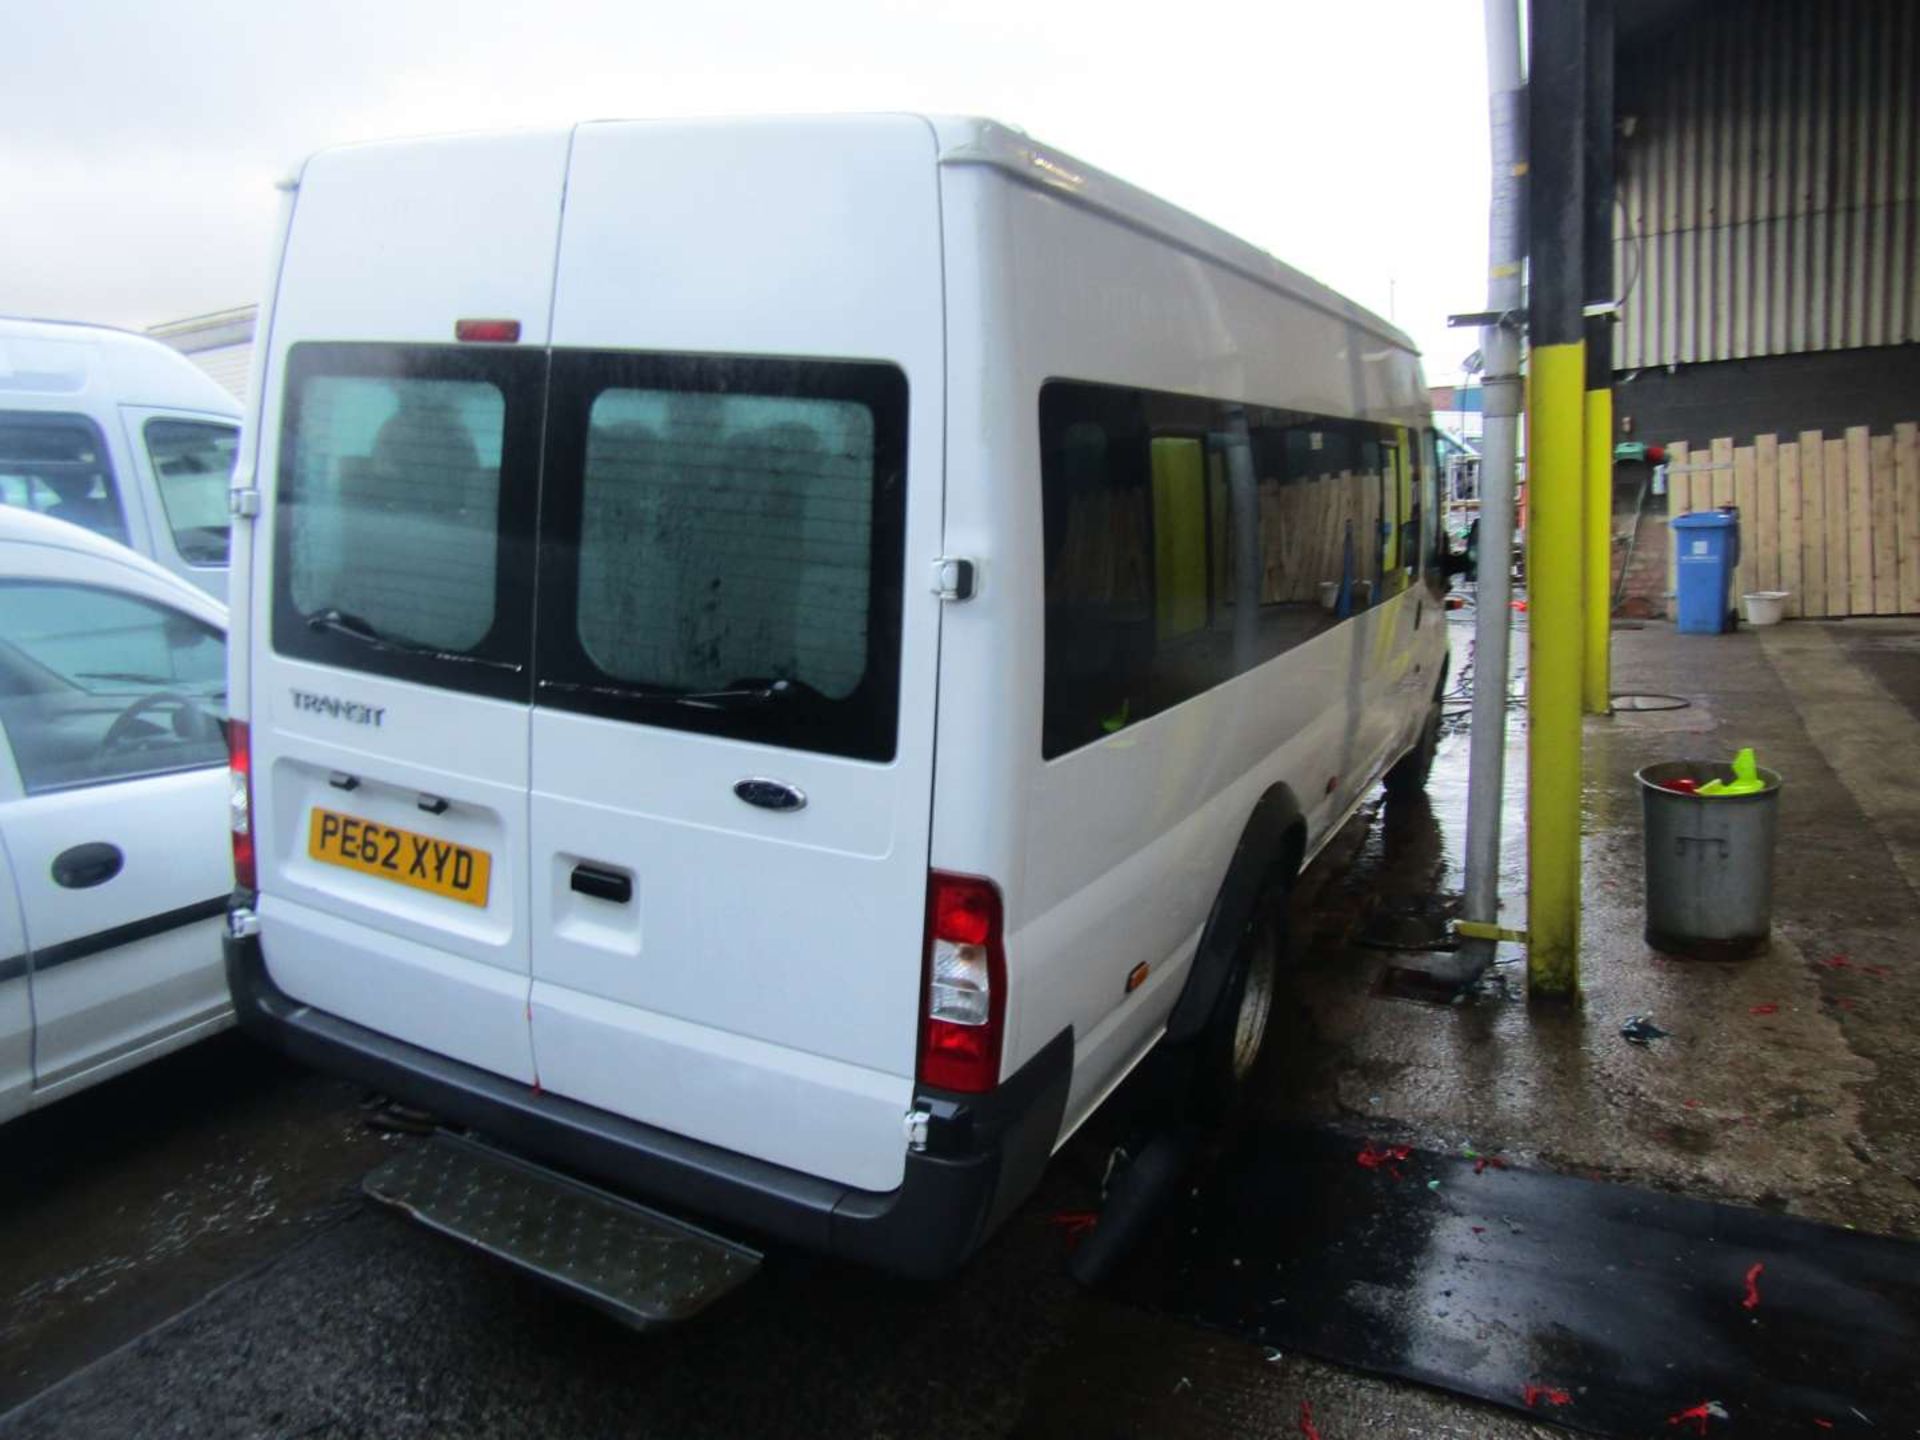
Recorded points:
(1534, 1394)
(1307, 1427)
(1835, 962)
(1841, 1002)
(1823, 1424)
(1699, 1415)
(1484, 1161)
(1693, 1104)
(1386, 1157)
(1771, 1007)
(1879, 972)
(1752, 1301)
(1479, 1229)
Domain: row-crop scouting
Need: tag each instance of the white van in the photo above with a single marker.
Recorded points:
(122, 436)
(780, 659)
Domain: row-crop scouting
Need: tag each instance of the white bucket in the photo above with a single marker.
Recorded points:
(1766, 607)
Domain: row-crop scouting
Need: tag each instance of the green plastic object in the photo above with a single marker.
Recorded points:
(1746, 778)
(1629, 450)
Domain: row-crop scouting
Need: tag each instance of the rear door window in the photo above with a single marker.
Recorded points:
(193, 467)
(59, 466)
(722, 547)
(405, 511)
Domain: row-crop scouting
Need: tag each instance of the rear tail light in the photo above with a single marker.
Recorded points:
(240, 803)
(966, 970)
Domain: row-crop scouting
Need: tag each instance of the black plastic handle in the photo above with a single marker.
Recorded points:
(85, 866)
(603, 884)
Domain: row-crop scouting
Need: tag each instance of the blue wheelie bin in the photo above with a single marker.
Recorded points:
(1709, 548)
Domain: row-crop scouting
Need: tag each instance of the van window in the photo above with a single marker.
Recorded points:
(193, 467)
(722, 547)
(96, 685)
(58, 465)
(1189, 540)
(404, 512)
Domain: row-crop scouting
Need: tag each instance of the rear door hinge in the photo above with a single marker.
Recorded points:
(954, 578)
(243, 501)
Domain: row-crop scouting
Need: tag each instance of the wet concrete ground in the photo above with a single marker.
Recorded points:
(180, 1252)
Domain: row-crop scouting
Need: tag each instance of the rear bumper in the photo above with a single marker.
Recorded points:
(984, 1153)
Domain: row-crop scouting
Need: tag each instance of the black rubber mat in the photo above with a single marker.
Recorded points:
(1607, 1309)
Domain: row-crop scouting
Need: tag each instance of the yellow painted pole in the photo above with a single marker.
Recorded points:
(1556, 405)
(1596, 684)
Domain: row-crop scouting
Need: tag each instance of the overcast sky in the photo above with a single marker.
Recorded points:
(139, 141)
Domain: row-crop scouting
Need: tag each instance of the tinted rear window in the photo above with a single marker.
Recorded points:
(405, 499)
(714, 527)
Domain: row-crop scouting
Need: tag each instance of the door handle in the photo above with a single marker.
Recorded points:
(602, 883)
(87, 865)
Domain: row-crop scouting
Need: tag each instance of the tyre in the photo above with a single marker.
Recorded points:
(1409, 773)
(1230, 1046)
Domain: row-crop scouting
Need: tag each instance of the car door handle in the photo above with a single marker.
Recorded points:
(603, 884)
(87, 865)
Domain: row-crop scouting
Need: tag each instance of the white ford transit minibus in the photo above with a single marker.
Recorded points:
(777, 660)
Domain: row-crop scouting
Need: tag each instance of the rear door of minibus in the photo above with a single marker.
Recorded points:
(392, 588)
(736, 641)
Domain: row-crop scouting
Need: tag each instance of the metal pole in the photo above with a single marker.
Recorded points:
(1500, 382)
(1556, 425)
(1597, 673)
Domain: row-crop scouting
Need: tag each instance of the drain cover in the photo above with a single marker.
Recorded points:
(1650, 702)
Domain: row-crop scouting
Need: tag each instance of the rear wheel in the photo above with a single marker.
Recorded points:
(1409, 773)
(1230, 1046)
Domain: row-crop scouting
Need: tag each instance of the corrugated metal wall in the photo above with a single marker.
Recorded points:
(1768, 190)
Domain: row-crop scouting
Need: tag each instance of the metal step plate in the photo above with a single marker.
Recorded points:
(643, 1268)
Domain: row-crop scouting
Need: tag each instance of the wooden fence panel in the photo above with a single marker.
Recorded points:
(1835, 461)
(1906, 465)
(1766, 503)
(1834, 523)
(1721, 476)
(1886, 527)
(1791, 574)
(1859, 524)
(1813, 521)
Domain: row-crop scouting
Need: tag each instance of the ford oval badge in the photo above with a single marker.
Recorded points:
(771, 794)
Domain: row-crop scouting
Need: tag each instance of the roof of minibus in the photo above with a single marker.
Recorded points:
(63, 362)
(970, 140)
(973, 140)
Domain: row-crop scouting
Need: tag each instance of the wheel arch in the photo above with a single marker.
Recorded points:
(1273, 841)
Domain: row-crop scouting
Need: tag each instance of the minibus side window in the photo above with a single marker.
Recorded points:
(193, 468)
(58, 465)
(1187, 541)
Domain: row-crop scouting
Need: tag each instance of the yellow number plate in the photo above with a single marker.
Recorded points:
(440, 867)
